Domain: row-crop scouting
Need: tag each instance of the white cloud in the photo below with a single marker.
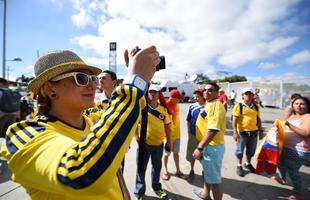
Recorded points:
(99, 62)
(81, 19)
(87, 12)
(192, 34)
(29, 67)
(267, 65)
(286, 77)
(299, 58)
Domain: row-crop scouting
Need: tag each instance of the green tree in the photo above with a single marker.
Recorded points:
(234, 78)
(202, 79)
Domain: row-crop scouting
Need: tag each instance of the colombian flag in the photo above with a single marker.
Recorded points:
(270, 149)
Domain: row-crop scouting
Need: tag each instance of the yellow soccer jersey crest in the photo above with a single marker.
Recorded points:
(157, 118)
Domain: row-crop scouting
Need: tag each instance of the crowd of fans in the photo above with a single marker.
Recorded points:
(74, 142)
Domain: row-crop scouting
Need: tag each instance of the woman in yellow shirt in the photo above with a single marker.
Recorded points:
(158, 129)
(63, 154)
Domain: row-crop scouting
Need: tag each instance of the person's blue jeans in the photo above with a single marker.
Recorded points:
(156, 153)
(248, 142)
(291, 161)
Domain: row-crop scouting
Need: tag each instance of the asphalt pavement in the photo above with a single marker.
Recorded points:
(249, 187)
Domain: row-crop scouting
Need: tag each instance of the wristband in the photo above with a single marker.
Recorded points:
(287, 123)
(199, 149)
(137, 81)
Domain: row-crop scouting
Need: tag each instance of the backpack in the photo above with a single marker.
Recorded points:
(10, 100)
(241, 107)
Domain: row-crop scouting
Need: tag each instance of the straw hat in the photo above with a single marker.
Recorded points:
(55, 63)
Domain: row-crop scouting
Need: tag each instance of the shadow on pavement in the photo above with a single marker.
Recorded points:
(171, 196)
(249, 190)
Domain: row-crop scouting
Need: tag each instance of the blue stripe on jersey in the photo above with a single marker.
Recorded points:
(192, 116)
(156, 113)
(11, 146)
(106, 118)
(35, 125)
(62, 165)
(76, 148)
(102, 139)
(105, 160)
(24, 130)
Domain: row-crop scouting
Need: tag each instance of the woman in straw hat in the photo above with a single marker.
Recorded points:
(61, 153)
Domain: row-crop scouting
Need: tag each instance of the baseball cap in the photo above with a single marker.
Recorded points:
(247, 90)
(199, 90)
(155, 87)
(176, 94)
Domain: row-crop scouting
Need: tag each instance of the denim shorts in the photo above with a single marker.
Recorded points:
(248, 142)
(212, 157)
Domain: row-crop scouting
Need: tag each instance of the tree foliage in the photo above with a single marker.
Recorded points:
(25, 79)
(202, 79)
(234, 78)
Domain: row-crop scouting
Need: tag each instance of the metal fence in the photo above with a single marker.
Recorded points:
(274, 92)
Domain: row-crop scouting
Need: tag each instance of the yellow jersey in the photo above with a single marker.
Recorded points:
(53, 160)
(213, 117)
(175, 128)
(157, 119)
(247, 120)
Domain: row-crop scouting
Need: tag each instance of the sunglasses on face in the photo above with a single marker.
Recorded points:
(152, 91)
(209, 90)
(81, 79)
(248, 93)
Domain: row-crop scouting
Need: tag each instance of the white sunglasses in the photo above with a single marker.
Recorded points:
(81, 79)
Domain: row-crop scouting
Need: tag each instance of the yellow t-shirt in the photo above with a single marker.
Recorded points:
(214, 118)
(175, 125)
(53, 160)
(247, 121)
(157, 118)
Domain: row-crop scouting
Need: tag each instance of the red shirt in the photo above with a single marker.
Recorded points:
(223, 98)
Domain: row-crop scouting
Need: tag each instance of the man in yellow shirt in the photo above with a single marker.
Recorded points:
(108, 82)
(210, 130)
(246, 123)
(192, 142)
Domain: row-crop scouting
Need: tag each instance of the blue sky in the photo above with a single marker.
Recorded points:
(257, 39)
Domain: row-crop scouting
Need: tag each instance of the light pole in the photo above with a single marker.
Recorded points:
(4, 35)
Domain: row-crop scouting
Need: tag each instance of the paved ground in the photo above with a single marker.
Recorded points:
(250, 187)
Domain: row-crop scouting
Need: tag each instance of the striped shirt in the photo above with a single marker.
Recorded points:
(53, 160)
(192, 115)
